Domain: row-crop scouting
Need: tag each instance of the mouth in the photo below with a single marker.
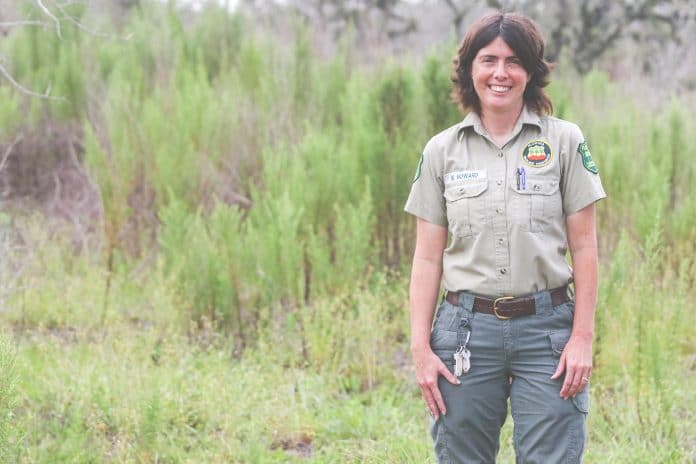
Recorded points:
(499, 88)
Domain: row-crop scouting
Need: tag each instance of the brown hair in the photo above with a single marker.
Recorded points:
(522, 35)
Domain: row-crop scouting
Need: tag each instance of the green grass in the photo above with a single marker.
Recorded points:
(149, 386)
(242, 295)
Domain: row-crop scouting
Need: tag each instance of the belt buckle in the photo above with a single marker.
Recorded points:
(495, 306)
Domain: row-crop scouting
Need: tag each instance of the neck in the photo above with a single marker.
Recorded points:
(500, 123)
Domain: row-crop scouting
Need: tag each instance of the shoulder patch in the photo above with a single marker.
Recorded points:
(418, 171)
(537, 153)
(587, 160)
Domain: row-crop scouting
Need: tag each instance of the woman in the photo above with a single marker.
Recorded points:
(515, 189)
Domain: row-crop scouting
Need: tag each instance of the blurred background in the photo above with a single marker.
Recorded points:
(203, 254)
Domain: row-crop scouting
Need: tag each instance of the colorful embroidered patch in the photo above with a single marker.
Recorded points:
(537, 153)
(418, 171)
(587, 160)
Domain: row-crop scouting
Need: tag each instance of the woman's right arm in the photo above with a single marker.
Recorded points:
(426, 272)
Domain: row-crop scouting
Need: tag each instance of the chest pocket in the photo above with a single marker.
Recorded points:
(466, 207)
(539, 205)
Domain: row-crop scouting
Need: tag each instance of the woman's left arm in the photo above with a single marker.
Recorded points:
(576, 359)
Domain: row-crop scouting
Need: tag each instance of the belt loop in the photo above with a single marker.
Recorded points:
(542, 301)
(466, 301)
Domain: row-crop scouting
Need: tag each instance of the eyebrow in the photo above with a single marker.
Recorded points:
(511, 57)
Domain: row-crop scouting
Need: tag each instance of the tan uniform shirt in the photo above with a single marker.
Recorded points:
(505, 208)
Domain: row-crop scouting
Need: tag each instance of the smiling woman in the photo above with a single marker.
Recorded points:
(510, 187)
(499, 79)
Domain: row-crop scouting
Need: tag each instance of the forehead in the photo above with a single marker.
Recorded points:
(497, 47)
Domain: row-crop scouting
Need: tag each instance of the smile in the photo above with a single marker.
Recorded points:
(499, 88)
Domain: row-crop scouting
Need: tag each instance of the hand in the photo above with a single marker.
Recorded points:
(428, 368)
(576, 361)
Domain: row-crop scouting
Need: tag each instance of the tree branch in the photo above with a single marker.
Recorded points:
(48, 13)
(8, 24)
(6, 74)
(81, 26)
(458, 16)
(9, 149)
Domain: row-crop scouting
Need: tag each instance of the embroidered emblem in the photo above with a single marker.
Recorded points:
(418, 171)
(537, 153)
(587, 160)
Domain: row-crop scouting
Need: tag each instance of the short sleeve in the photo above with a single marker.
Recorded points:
(426, 199)
(580, 182)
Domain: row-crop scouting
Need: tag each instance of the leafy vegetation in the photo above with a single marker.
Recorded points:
(243, 298)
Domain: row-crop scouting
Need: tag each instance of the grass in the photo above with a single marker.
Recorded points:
(150, 386)
(241, 297)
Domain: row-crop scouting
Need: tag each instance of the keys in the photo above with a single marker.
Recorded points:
(461, 361)
(458, 363)
(466, 364)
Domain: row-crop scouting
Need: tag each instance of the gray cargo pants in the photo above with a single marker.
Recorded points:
(512, 358)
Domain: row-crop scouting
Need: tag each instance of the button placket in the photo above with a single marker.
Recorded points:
(499, 227)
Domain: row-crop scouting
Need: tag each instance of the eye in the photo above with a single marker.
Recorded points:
(487, 59)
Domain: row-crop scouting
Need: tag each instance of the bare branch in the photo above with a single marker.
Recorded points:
(48, 13)
(6, 74)
(75, 22)
(9, 149)
(8, 24)
(458, 18)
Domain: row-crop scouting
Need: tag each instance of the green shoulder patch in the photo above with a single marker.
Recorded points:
(418, 171)
(587, 160)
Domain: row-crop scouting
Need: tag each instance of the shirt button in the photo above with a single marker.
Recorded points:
(499, 182)
(500, 155)
(503, 271)
(501, 240)
(498, 210)
(537, 187)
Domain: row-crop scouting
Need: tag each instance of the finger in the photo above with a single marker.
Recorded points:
(430, 402)
(584, 380)
(576, 385)
(560, 368)
(580, 380)
(438, 399)
(568, 383)
(451, 378)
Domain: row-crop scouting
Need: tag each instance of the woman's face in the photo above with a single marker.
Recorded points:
(499, 78)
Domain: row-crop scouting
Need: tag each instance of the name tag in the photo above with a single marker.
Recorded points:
(464, 176)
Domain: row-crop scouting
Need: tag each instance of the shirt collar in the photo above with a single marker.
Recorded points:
(473, 120)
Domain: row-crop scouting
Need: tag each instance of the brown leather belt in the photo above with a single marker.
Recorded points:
(508, 307)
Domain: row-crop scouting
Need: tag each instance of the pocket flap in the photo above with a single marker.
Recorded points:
(582, 401)
(467, 190)
(537, 186)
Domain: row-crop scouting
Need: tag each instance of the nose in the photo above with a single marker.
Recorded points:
(500, 71)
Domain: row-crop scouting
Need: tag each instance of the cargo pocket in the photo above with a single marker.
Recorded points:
(466, 207)
(538, 204)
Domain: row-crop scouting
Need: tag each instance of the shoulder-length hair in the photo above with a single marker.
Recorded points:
(522, 35)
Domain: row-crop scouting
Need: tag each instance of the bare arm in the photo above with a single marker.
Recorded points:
(425, 280)
(576, 358)
(426, 272)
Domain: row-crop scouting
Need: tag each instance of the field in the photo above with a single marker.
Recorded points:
(215, 267)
